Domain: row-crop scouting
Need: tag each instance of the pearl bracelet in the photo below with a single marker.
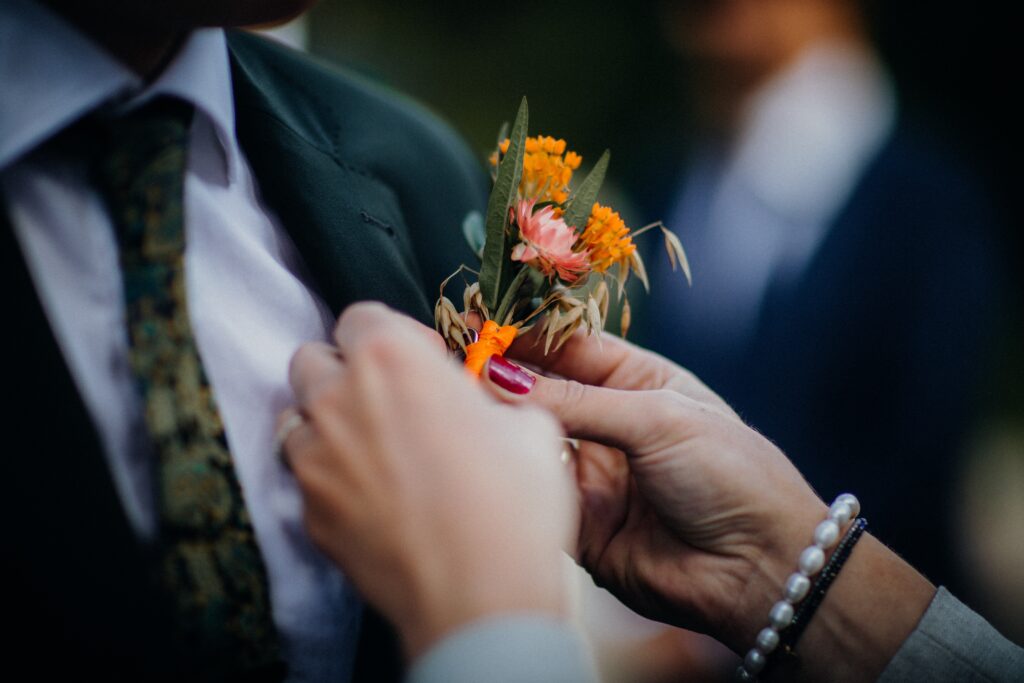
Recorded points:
(826, 535)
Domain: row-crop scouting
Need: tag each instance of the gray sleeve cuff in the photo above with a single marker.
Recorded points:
(507, 649)
(953, 643)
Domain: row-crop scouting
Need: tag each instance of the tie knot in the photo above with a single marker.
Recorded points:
(154, 134)
(156, 125)
(139, 168)
(159, 123)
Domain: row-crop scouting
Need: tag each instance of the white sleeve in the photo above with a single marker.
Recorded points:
(507, 649)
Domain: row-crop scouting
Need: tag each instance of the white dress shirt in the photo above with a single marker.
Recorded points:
(757, 211)
(249, 305)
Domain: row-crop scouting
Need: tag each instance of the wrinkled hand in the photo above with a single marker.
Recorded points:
(688, 515)
(441, 504)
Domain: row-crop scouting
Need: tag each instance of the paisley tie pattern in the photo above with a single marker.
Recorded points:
(209, 562)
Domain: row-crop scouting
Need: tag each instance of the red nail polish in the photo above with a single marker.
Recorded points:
(509, 376)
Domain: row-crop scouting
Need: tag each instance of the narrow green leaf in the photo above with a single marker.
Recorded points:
(473, 231)
(582, 201)
(539, 282)
(495, 271)
(509, 299)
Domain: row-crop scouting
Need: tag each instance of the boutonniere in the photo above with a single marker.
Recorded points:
(550, 254)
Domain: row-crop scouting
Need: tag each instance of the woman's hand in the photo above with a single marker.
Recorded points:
(693, 518)
(688, 515)
(441, 504)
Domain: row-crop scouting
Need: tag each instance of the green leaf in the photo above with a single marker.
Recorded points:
(539, 283)
(473, 231)
(578, 207)
(509, 300)
(496, 269)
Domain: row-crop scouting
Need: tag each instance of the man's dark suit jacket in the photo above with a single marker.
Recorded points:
(372, 190)
(864, 369)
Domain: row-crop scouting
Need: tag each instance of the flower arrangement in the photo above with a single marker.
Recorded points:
(550, 254)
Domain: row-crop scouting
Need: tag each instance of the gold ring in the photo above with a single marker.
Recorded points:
(570, 447)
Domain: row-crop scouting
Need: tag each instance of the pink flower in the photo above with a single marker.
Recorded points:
(547, 243)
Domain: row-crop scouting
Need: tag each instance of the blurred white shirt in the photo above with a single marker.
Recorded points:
(759, 210)
(249, 304)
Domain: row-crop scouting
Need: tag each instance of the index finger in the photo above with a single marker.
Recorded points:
(613, 363)
(610, 362)
(311, 366)
(367, 318)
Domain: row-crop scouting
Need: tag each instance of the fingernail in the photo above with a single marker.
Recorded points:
(509, 376)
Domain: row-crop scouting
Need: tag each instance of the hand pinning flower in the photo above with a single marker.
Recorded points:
(542, 245)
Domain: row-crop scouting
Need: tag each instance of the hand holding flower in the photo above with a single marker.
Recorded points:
(691, 517)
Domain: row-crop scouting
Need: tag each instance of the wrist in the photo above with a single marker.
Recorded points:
(865, 610)
(769, 568)
(439, 608)
(871, 609)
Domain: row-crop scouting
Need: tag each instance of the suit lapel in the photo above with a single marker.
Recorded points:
(344, 221)
(347, 226)
(75, 560)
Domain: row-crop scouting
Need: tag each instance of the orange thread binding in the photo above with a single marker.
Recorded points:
(493, 341)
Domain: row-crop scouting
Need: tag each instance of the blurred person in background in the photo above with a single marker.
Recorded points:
(844, 275)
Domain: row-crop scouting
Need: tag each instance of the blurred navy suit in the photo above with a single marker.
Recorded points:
(863, 368)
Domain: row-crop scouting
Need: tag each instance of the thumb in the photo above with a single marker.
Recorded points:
(614, 417)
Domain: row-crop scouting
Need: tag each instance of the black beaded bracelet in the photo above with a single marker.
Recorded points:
(809, 606)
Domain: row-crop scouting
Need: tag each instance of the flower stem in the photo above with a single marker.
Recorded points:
(508, 301)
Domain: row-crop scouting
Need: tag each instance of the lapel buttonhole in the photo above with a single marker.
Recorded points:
(383, 225)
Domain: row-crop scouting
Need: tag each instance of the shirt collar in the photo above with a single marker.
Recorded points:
(201, 74)
(816, 124)
(53, 75)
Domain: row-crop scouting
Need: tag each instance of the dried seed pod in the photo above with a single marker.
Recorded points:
(641, 272)
(594, 320)
(440, 323)
(626, 318)
(449, 324)
(554, 319)
(622, 275)
(676, 253)
(565, 319)
(603, 298)
(475, 301)
(569, 330)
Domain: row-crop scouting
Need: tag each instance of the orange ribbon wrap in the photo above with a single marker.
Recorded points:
(493, 341)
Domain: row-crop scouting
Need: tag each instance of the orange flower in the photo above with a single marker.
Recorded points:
(607, 238)
(547, 169)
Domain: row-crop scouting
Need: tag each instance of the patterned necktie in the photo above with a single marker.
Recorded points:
(209, 562)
